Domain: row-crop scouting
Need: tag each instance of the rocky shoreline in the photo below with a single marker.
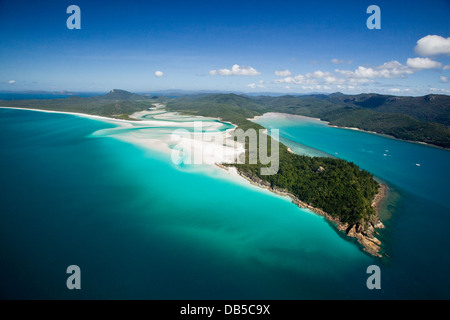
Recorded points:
(364, 234)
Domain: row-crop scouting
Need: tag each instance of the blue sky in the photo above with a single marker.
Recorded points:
(245, 46)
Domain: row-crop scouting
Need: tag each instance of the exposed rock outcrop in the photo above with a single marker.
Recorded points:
(363, 232)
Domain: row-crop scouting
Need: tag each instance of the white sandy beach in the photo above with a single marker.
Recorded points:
(186, 139)
(277, 115)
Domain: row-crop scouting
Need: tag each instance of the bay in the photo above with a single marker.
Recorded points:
(141, 227)
(417, 210)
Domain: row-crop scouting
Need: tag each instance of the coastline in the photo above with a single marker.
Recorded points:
(350, 128)
(386, 136)
(209, 158)
(365, 235)
(79, 114)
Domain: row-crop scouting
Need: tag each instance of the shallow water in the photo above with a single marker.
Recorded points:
(417, 209)
(141, 227)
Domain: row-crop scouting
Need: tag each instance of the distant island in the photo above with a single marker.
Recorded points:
(337, 189)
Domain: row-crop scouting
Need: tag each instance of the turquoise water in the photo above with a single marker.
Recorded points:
(417, 211)
(419, 169)
(139, 227)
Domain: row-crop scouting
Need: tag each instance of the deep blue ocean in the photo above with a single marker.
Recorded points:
(139, 227)
(38, 95)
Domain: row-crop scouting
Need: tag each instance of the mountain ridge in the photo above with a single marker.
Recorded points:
(420, 119)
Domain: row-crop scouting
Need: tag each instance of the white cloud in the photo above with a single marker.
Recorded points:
(447, 67)
(319, 74)
(444, 79)
(338, 61)
(356, 81)
(334, 80)
(397, 90)
(236, 70)
(299, 79)
(309, 78)
(317, 87)
(319, 79)
(255, 85)
(388, 70)
(283, 73)
(422, 63)
(440, 90)
(362, 76)
(12, 81)
(159, 73)
(433, 45)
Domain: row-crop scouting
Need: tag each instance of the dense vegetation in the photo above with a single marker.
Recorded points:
(336, 186)
(423, 119)
(229, 107)
(400, 126)
(117, 104)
